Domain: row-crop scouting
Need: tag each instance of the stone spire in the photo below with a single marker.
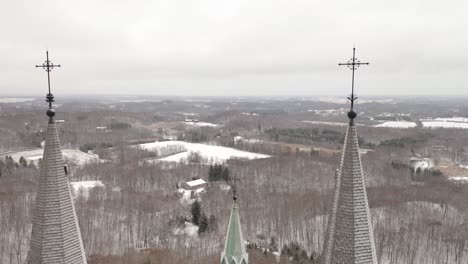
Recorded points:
(55, 237)
(349, 237)
(234, 249)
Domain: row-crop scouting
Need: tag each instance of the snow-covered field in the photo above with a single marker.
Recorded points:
(444, 124)
(16, 100)
(189, 230)
(72, 155)
(459, 179)
(201, 124)
(450, 122)
(325, 123)
(208, 153)
(83, 187)
(397, 124)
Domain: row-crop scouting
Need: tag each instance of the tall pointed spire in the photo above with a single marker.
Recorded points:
(349, 238)
(234, 248)
(55, 237)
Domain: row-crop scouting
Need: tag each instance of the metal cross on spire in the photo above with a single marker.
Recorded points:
(48, 66)
(353, 64)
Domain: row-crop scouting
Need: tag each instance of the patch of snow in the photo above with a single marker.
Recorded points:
(72, 155)
(83, 187)
(250, 114)
(224, 187)
(325, 123)
(201, 124)
(397, 124)
(187, 197)
(444, 124)
(453, 119)
(209, 154)
(460, 179)
(329, 112)
(16, 100)
(188, 230)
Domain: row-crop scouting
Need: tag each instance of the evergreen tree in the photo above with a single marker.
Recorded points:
(23, 162)
(225, 175)
(211, 176)
(203, 226)
(196, 213)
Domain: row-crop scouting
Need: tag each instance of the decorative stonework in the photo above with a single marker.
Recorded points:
(349, 238)
(55, 237)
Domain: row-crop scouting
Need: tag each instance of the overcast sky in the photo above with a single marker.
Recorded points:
(235, 47)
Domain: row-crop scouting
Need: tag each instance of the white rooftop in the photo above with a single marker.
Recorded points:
(195, 182)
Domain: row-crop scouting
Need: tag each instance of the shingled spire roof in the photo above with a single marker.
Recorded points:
(55, 237)
(234, 249)
(349, 238)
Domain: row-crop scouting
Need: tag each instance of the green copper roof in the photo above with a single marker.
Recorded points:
(234, 250)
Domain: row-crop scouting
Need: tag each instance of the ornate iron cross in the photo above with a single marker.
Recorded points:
(48, 66)
(353, 64)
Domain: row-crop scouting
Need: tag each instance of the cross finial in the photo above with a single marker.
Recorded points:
(353, 64)
(48, 66)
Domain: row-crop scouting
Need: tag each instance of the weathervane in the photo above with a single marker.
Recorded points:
(48, 66)
(353, 64)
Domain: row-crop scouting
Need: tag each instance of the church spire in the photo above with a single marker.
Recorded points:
(55, 237)
(234, 248)
(349, 238)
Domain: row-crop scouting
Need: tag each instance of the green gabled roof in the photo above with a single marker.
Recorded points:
(234, 249)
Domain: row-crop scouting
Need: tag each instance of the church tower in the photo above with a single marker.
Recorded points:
(349, 238)
(234, 248)
(55, 237)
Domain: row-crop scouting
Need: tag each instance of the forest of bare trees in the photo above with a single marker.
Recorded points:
(284, 200)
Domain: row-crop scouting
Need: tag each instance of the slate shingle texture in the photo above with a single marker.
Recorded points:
(55, 237)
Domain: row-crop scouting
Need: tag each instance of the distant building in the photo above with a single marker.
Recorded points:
(421, 163)
(194, 185)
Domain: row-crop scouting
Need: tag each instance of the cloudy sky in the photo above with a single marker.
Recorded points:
(235, 47)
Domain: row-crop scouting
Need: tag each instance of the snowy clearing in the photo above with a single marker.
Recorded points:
(83, 187)
(16, 100)
(459, 179)
(397, 124)
(324, 123)
(70, 155)
(201, 124)
(444, 124)
(189, 230)
(209, 154)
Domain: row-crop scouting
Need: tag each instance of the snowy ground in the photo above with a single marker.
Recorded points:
(187, 195)
(189, 230)
(459, 179)
(444, 124)
(209, 154)
(325, 123)
(72, 155)
(16, 100)
(201, 124)
(397, 124)
(83, 187)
